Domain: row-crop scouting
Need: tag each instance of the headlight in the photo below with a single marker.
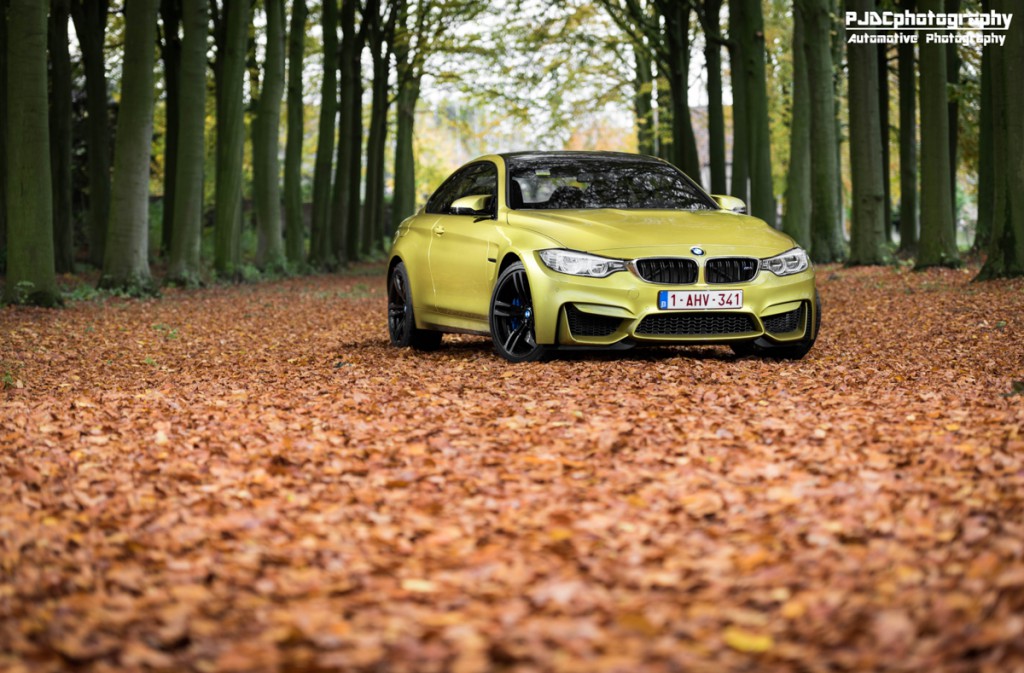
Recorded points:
(788, 263)
(580, 263)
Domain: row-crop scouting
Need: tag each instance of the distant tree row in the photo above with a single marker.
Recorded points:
(252, 57)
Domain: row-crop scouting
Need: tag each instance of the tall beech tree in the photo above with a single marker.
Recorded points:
(126, 256)
(796, 221)
(60, 137)
(643, 99)
(908, 144)
(1006, 247)
(882, 63)
(170, 54)
(266, 142)
(986, 151)
(30, 271)
(750, 40)
(868, 230)
(231, 27)
(953, 91)
(320, 254)
(3, 136)
(938, 230)
(346, 205)
(380, 21)
(740, 182)
(295, 240)
(827, 244)
(710, 15)
(188, 192)
(90, 17)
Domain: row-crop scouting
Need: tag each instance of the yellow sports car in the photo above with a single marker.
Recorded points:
(560, 250)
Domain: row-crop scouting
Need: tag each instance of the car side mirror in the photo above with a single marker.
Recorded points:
(479, 204)
(730, 203)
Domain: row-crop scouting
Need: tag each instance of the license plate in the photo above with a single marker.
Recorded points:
(698, 300)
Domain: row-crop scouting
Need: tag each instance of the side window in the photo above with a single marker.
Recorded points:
(479, 178)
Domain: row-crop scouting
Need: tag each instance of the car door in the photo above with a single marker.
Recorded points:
(463, 247)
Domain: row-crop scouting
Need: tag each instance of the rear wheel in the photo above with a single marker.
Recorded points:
(791, 351)
(512, 318)
(401, 321)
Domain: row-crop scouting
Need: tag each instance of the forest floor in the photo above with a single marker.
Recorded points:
(249, 478)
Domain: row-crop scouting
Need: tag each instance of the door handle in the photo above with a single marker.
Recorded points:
(438, 230)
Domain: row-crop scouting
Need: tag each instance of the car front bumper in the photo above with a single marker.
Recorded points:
(580, 311)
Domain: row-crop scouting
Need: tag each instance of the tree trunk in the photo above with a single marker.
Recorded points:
(404, 202)
(295, 237)
(827, 243)
(345, 221)
(883, 117)
(986, 151)
(90, 17)
(643, 101)
(797, 219)
(60, 137)
(3, 136)
(126, 258)
(170, 52)
(716, 115)
(187, 225)
(908, 145)
(938, 231)
(375, 145)
(231, 57)
(867, 245)
(320, 244)
(677, 36)
(740, 183)
(1006, 250)
(762, 198)
(953, 78)
(266, 165)
(30, 272)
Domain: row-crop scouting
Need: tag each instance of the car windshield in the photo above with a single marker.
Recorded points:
(559, 182)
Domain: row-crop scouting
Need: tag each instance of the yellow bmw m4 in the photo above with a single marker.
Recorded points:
(560, 250)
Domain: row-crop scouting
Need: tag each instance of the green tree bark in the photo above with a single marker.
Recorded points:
(230, 72)
(126, 258)
(381, 35)
(170, 54)
(867, 245)
(1006, 249)
(796, 221)
(986, 152)
(740, 183)
(187, 225)
(643, 100)
(677, 66)
(882, 62)
(407, 76)
(90, 17)
(266, 145)
(30, 272)
(3, 136)
(762, 198)
(320, 244)
(716, 114)
(295, 237)
(345, 214)
(827, 244)
(953, 79)
(908, 145)
(60, 136)
(938, 231)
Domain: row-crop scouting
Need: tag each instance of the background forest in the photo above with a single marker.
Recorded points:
(233, 138)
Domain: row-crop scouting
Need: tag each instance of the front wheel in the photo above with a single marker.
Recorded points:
(401, 321)
(512, 317)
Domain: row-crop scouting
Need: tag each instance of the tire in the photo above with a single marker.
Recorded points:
(511, 317)
(401, 320)
(792, 351)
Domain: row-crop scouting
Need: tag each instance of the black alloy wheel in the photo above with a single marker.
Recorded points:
(512, 318)
(401, 321)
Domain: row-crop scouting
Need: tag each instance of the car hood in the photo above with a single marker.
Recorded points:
(642, 233)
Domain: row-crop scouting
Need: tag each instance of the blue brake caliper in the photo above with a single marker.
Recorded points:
(515, 321)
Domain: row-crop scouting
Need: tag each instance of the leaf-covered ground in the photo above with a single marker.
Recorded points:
(250, 479)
